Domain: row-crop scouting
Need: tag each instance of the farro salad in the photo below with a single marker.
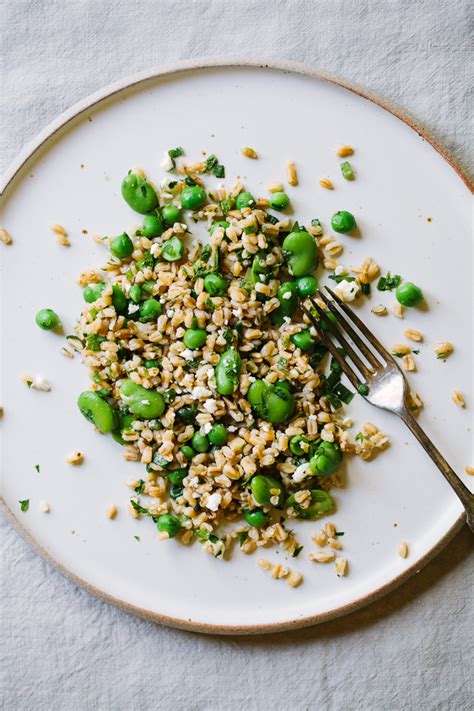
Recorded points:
(204, 367)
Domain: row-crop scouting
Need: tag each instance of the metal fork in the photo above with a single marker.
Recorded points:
(378, 375)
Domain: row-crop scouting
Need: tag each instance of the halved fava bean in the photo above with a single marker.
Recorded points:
(97, 410)
(139, 194)
(228, 372)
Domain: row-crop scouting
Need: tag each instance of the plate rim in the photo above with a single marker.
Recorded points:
(28, 152)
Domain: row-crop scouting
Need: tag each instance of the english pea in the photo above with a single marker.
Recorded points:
(218, 435)
(244, 199)
(408, 294)
(171, 214)
(121, 246)
(166, 523)
(194, 338)
(256, 518)
(152, 226)
(215, 284)
(200, 442)
(306, 286)
(303, 340)
(47, 319)
(279, 201)
(193, 197)
(150, 309)
(343, 221)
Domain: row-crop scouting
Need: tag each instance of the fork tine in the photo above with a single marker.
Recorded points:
(347, 327)
(360, 365)
(346, 368)
(363, 328)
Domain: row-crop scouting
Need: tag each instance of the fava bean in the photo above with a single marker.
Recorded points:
(321, 503)
(92, 292)
(227, 372)
(97, 410)
(187, 451)
(119, 300)
(296, 447)
(147, 404)
(261, 487)
(135, 293)
(326, 460)
(172, 250)
(139, 194)
(288, 298)
(300, 250)
(273, 402)
(124, 424)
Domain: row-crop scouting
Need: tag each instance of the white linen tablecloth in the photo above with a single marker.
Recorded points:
(63, 650)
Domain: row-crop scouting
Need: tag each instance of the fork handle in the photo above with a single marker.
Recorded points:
(463, 493)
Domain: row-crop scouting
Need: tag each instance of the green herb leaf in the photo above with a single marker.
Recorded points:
(93, 342)
(176, 152)
(272, 219)
(416, 351)
(139, 489)
(365, 288)
(24, 505)
(347, 170)
(202, 534)
(242, 536)
(137, 538)
(315, 222)
(363, 389)
(339, 533)
(297, 551)
(387, 283)
(213, 166)
(359, 437)
(341, 277)
(37, 467)
(138, 508)
(343, 393)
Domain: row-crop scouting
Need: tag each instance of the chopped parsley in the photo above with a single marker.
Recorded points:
(137, 538)
(37, 467)
(242, 536)
(359, 437)
(138, 508)
(341, 277)
(272, 219)
(388, 282)
(363, 389)
(24, 505)
(139, 488)
(347, 170)
(416, 352)
(175, 153)
(339, 533)
(213, 166)
(297, 551)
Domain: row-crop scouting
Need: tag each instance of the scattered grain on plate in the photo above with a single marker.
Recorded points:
(291, 173)
(322, 556)
(249, 152)
(76, 457)
(397, 310)
(133, 513)
(326, 183)
(458, 399)
(111, 511)
(320, 538)
(413, 334)
(36, 382)
(275, 187)
(469, 470)
(367, 271)
(335, 543)
(1, 412)
(330, 529)
(379, 310)
(444, 349)
(345, 151)
(66, 352)
(415, 401)
(263, 202)
(403, 550)
(61, 235)
(279, 572)
(400, 349)
(294, 579)
(409, 363)
(342, 566)
(5, 236)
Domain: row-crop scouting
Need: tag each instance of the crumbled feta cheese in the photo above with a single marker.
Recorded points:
(167, 163)
(170, 313)
(37, 382)
(199, 391)
(207, 427)
(145, 402)
(213, 502)
(340, 270)
(301, 472)
(133, 308)
(347, 290)
(43, 506)
(210, 405)
(220, 186)
(287, 295)
(154, 249)
(232, 428)
(187, 354)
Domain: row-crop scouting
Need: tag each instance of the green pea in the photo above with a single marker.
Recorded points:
(47, 319)
(142, 402)
(218, 435)
(150, 309)
(139, 194)
(215, 284)
(303, 340)
(172, 250)
(152, 226)
(279, 201)
(171, 214)
(261, 488)
(194, 338)
(331, 317)
(92, 292)
(121, 246)
(223, 223)
(227, 372)
(168, 524)
(343, 221)
(135, 293)
(321, 503)
(152, 363)
(193, 197)
(200, 442)
(124, 424)
(176, 476)
(326, 460)
(149, 286)
(244, 200)
(300, 250)
(306, 286)
(256, 518)
(272, 402)
(187, 451)
(296, 447)
(288, 298)
(408, 294)
(186, 414)
(119, 300)
(97, 410)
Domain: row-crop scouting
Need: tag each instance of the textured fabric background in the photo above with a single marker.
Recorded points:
(63, 650)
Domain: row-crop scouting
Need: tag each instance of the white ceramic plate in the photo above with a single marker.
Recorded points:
(413, 211)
